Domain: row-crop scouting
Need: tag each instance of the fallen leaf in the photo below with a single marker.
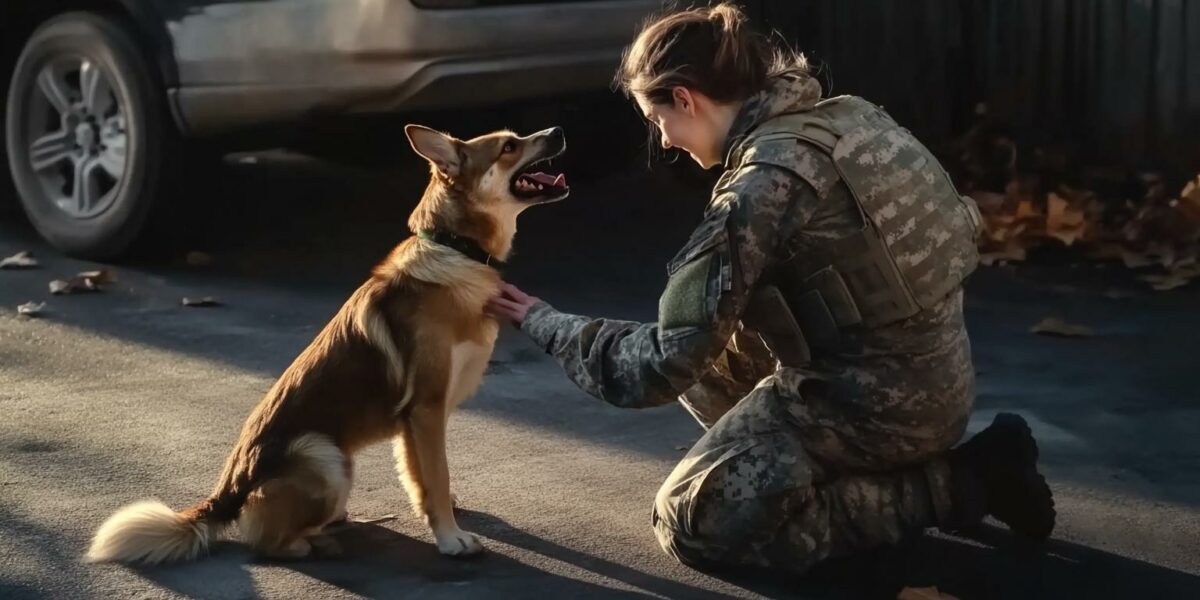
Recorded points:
(20, 260)
(1190, 270)
(206, 301)
(31, 309)
(1165, 254)
(1134, 260)
(998, 233)
(1063, 222)
(1026, 210)
(1190, 200)
(1067, 236)
(1166, 282)
(681, 448)
(199, 259)
(100, 277)
(1057, 327)
(1056, 207)
(1170, 284)
(59, 287)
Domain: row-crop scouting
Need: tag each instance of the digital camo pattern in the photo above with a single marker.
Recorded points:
(844, 453)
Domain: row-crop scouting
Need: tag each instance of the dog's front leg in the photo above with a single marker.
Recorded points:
(426, 440)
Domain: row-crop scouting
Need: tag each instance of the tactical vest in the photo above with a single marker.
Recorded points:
(917, 243)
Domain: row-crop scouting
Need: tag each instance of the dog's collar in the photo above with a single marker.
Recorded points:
(464, 245)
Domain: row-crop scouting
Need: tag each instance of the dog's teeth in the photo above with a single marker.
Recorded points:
(539, 186)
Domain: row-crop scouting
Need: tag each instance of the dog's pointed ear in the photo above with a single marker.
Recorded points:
(438, 148)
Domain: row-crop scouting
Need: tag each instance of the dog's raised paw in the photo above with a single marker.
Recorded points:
(459, 543)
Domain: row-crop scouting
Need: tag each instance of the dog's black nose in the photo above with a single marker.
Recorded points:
(556, 134)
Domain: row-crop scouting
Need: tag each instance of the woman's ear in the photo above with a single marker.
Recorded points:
(684, 100)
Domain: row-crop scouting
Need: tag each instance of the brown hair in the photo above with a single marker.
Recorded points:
(712, 50)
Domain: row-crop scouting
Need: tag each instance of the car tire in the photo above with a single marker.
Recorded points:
(89, 138)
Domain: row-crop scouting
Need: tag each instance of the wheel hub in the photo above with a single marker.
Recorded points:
(86, 137)
(76, 137)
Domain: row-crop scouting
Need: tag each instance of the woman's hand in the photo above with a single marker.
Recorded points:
(511, 305)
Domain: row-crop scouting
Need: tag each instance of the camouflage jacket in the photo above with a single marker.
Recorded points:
(758, 216)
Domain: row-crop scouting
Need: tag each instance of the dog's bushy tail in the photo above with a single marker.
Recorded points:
(149, 532)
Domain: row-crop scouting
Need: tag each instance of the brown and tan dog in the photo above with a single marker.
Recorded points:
(407, 347)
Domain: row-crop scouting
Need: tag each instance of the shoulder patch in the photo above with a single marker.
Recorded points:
(685, 302)
(697, 275)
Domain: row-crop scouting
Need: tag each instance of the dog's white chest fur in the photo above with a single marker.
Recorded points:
(468, 362)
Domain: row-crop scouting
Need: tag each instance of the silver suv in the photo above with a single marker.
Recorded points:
(104, 95)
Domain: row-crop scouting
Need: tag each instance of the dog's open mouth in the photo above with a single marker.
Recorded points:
(539, 185)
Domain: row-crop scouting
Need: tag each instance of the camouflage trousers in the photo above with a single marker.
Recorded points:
(785, 479)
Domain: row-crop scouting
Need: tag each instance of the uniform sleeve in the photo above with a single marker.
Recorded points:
(637, 365)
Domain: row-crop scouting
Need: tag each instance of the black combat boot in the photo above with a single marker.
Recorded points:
(995, 473)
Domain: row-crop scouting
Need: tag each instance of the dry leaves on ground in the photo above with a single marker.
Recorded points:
(1044, 196)
(20, 260)
(1161, 234)
(207, 301)
(31, 309)
(1057, 327)
(87, 281)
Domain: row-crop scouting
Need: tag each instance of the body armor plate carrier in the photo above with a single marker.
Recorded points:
(917, 243)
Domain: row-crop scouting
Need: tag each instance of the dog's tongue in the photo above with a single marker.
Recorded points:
(559, 180)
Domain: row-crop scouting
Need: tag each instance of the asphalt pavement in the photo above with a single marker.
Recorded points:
(125, 394)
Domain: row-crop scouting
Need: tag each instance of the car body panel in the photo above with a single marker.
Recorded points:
(253, 62)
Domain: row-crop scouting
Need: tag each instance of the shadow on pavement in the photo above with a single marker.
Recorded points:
(9, 589)
(499, 529)
(1003, 568)
(380, 563)
(992, 565)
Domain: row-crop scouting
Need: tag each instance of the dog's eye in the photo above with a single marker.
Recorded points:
(509, 147)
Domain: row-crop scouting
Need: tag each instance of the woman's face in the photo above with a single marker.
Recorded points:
(685, 124)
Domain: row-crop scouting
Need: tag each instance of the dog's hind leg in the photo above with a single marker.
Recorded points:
(274, 518)
(311, 491)
(421, 447)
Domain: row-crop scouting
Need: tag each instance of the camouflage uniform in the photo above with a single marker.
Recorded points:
(798, 463)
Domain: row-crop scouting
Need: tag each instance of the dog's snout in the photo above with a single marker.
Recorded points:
(554, 139)
(553, 136)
